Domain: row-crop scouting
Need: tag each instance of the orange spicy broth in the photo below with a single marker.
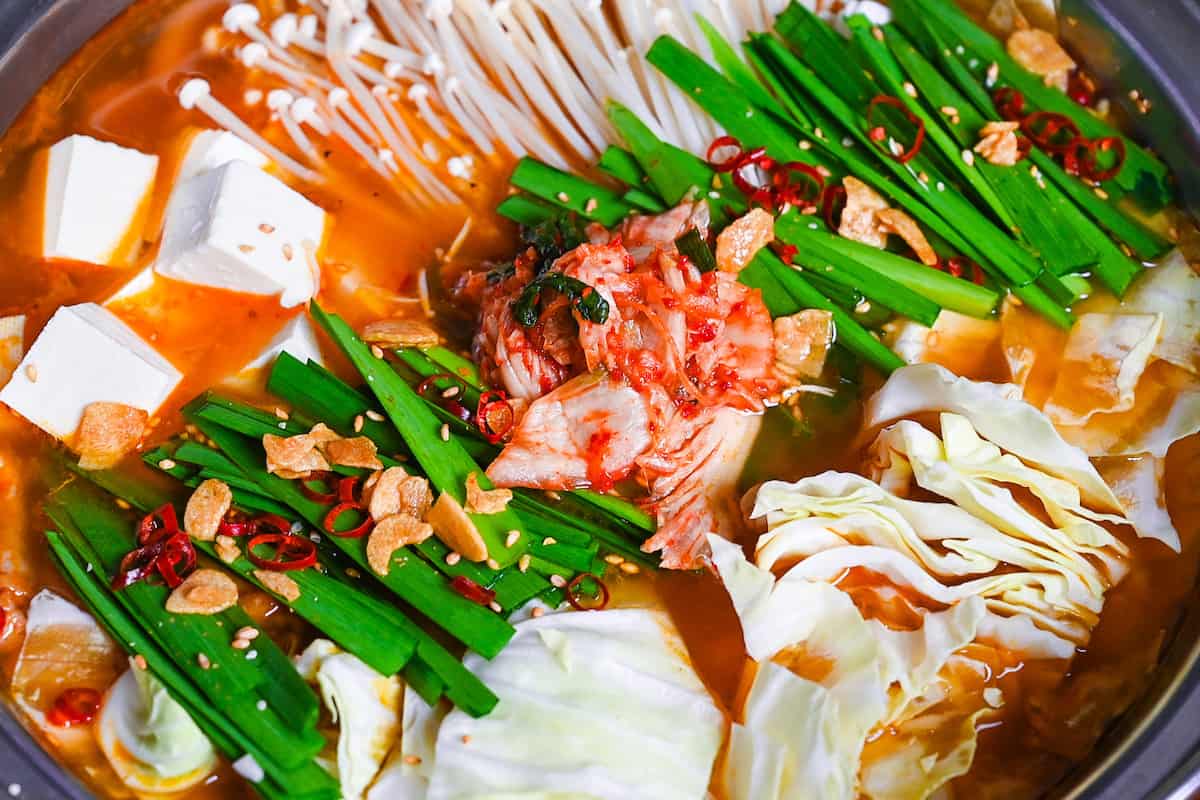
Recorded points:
(120, 87)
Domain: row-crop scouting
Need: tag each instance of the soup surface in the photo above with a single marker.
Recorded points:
(123, 86)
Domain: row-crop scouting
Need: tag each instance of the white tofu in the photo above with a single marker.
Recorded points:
(297, 338)
(96, 194)
(142, 281)
(238, 228)
(86, 355)
(209, 150)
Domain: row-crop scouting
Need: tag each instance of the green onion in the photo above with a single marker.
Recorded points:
(692, 246)
(567, 191)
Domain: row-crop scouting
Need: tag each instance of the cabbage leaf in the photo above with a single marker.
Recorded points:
(599, 704)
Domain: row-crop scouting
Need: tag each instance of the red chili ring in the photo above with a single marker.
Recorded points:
(786, 189)
(1091, 164)
(319, 476)
(572, 593)
(756, 193)
(489, 402)
(918, 138)
(273, 523)
(291, 552)
(1010, 103)
(1043, 126)
(356, 532)
(159, 524)
(724, 164)
(829, 204)
(472, 590)
(178, 558)
(137, 565)
(74, 707)
(347, 490)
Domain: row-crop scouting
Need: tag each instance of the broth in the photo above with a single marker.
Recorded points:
(119, 87)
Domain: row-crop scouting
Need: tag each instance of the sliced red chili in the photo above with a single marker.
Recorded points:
(1051, 131)
(271, 523)
(177, 559)
(137, 565)
(287, 552)
(802, 193)
(472, 590)
(787, 253)
(758, 164)
(494, 416)
(74, 707)
(580, 601)
(159, 524)
(1090, 167)
(959, 266)
(236, 527)
(348, 490)
(833, 200)
(358, 531)
(904, 156)
(319, 486)
(1010, 103)
(724, 153)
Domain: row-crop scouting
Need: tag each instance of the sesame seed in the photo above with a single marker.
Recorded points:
(123, 504)
(558, 581)
(941, 187)
(511, 538)
(923, 176)
(614, 558)
(549, 540)
(31, 372)
(817, 132)
(374, 415)
(253, 654)
(629, 568)
(453, 558)
(414, 760)
(1103, 195)
(139, 661)
(909, 89)
(949, 111)
(553, 495)
(166, 464)
(246, 248)
(877, 32)
(358, 423)
(288, 252)
(537, 612)
(377, 351)
(591, 205)
(563, 197)
(863, 307)
(351, 572)
(804, 145)
(451, 392)
(240, 644)
(281, 413)
(266, 228)
(494, 606)
(261, 705)
(466, 739)
(968, 157)
(445, 432)
(203, 660)
(492, 563)
(993, 72)
(247, 632)
(523, 563)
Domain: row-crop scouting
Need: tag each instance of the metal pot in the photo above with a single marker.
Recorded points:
(1153, 750)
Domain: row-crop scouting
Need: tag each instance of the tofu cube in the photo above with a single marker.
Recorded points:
(140, 282)
(84, 355)
(208, 150)
(297, 338)
(97, 194)
(238, 228)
